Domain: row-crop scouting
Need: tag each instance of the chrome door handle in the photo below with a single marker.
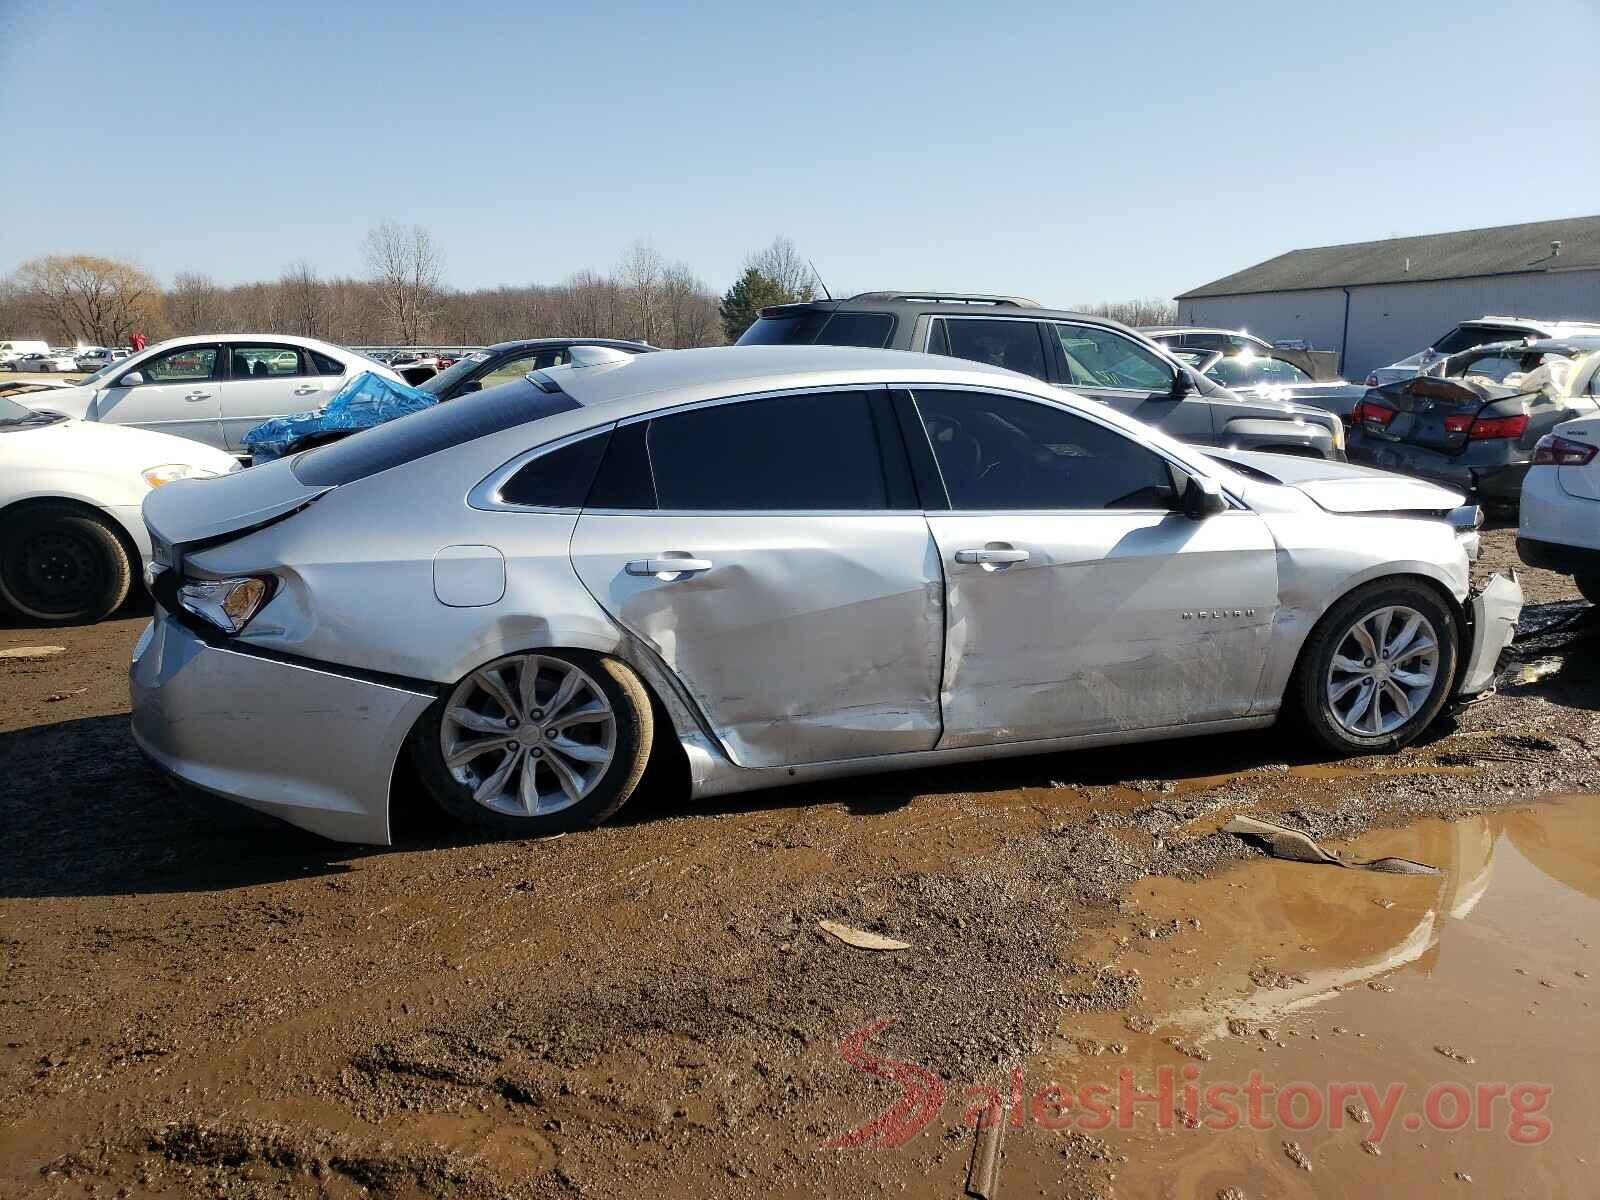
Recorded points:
(668, 565)
(991, 556)
(198, 396)
(306, 390)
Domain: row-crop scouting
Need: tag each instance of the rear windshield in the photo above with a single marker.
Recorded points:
(427, 432)
(821, 327)
(1465, 337)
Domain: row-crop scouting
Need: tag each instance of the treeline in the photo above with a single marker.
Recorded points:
(404, 300)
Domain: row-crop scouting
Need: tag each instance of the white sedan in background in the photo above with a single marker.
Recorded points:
(52, 360)
(71, 540)
(1559, 517)
(213, 388)
(95, 357)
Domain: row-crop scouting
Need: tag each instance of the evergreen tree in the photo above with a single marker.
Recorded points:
(743, 302)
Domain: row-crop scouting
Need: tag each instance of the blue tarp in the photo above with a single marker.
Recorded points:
(365, 401)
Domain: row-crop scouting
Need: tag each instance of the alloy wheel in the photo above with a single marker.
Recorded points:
(1384, 669)
(528, 735)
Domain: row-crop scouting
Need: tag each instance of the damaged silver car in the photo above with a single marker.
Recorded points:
(781, 564)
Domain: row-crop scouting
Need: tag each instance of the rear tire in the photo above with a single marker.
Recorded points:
(1377, 669)
(1588, 587)
(62, 565)
(576, 727)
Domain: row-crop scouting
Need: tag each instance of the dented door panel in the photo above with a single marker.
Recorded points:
(1114, 620)
(802, 637)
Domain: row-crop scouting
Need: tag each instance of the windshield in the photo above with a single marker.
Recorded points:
(444, 379)
(1250, 370)
(103, 372)
(1465, 337)
(14, 415)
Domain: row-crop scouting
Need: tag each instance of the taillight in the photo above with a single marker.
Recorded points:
(1378, 414)
(1553, 451)
(1499, 427)
(1458, 423)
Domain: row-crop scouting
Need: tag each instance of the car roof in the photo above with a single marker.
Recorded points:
(1153, 330)
(651, 381)
(557, 342)
(965, 304)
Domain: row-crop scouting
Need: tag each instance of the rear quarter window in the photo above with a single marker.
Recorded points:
(420, 434)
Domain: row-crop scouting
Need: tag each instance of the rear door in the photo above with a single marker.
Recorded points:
(1117, 370)
(1080, 601)
(771, 551)
(269, 379)
(179, 392)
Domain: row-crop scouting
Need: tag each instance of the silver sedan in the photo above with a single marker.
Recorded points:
(778, 564)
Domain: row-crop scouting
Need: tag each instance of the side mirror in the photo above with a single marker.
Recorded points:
(131, 379)
(1182, 386)
(471, 385)
(1203, 498)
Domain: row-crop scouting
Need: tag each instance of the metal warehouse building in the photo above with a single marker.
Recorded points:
(1376, 302)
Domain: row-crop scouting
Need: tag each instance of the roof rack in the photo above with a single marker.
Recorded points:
(951, 298)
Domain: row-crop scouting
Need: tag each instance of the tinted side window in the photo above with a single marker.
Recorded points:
(560, 478)
(784, 453)
(326, 365)
(1097, 357)
(1014, 345)
(999, 452)
(190, 364)
(266, 362)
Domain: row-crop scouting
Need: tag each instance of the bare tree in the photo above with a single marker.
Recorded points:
(407, 269)
(305, 299)
(1134, 312)
(89, 298)
(784, 265)
(640, 274)
(194, 303)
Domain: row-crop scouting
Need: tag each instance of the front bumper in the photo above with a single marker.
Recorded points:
(1494, 610)
(296, 741)
(1487, 474)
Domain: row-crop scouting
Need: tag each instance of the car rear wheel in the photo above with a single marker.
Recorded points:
(1589, 587)
(537, 743)
(1377, 669)
(62, 565)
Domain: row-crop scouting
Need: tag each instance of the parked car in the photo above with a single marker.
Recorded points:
(96, 357)
(1559, 525)
(15, 348)
(1269, 376)
(1195, 337)
(784, 564)
(212, 387)
(46, 361)
(1470, 334)
(71, 539)
(1475, 426)
(1092, 356)
(508, 361)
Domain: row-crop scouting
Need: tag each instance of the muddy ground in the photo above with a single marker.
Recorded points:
(196, 1003)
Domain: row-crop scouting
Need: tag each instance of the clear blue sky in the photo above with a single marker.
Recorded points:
(1068, 151)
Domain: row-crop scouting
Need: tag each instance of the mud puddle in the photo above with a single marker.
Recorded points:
(1311, 1031)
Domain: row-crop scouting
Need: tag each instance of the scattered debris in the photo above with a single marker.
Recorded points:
(1296, 1155)
(1358, 1112)
(57, 697)
(31, 651)
(983, 1177)
(1372, 1147)
(861, 939)
(1540, 669)
(1291, 844)
(1458, 1056)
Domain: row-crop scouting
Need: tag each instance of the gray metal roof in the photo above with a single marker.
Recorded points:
(1500, 250)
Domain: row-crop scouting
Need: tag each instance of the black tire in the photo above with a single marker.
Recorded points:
(62, 565)
(1307, 699)
(1588, 587)
(634, 733)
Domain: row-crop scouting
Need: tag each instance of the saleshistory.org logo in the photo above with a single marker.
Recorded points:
(1516, 1108)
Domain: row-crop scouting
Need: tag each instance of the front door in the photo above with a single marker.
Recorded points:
(1128, 376)
(1079, 600)
(179, 391)
(775, 560)
(268, 380)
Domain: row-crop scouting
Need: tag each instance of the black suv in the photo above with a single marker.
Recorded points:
(1093, 356)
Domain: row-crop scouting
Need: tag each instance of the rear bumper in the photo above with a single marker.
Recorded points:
(1497, 481)
(1558, 557)
(1494, 610)
(298, 742)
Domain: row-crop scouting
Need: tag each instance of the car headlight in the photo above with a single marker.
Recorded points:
(226, 603)
(167, 472)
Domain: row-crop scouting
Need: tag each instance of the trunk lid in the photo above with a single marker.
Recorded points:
(200, 510)
(1435, 413)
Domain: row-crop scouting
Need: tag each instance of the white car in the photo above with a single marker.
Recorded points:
(49, 360)
(213, 388)
(96, 357)
(71, 541)
(1559, 522)
(12, 349)
(1471, 334)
